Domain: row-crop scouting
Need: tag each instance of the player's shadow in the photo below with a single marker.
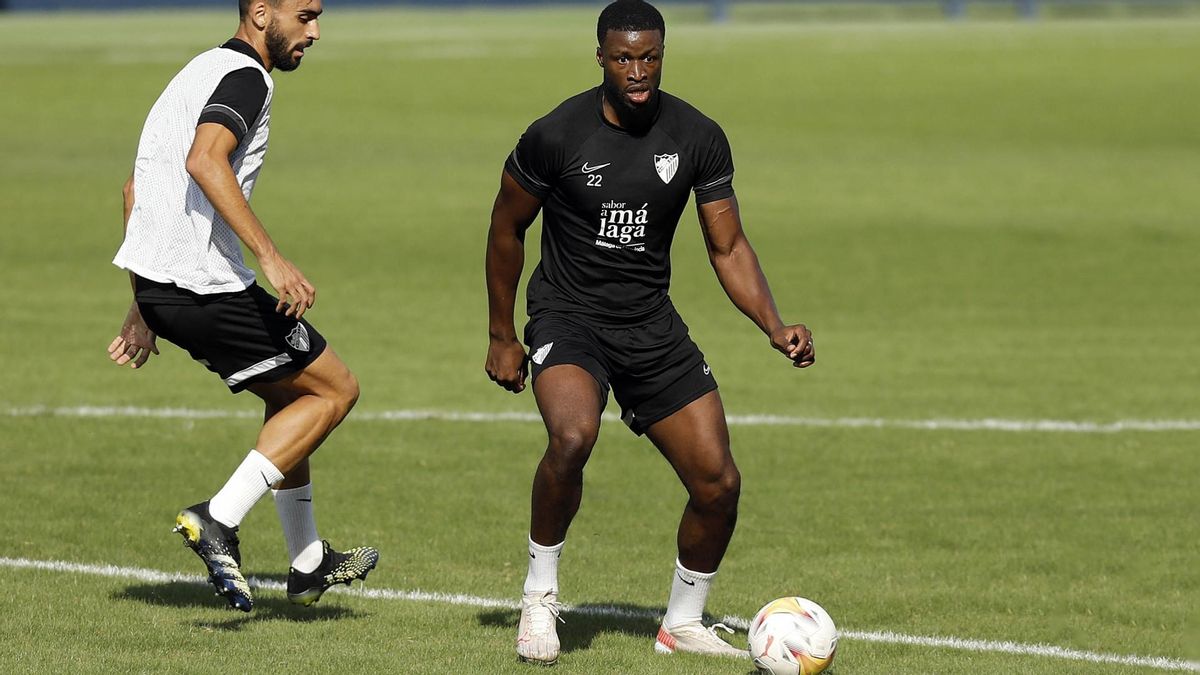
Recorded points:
(584, 622)
(269, 606)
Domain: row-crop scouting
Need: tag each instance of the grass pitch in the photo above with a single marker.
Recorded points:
(983, 220)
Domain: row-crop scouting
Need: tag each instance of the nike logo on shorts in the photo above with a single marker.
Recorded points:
(589, 169)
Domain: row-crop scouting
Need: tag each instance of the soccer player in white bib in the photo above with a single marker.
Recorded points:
(187, 215)
(611, 170)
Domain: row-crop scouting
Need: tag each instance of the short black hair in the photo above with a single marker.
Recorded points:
(629, 15)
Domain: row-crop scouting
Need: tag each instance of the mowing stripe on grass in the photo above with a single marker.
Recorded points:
(937, 424)
(995, 646)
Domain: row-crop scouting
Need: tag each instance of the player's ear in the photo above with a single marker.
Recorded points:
(599, 58)
(259, 14)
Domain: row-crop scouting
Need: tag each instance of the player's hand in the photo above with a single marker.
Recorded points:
(135, 343)
(296, 295)
(796, 343)
(507, 364)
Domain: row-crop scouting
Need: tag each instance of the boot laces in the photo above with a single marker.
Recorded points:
(712, 630)
(542, 614)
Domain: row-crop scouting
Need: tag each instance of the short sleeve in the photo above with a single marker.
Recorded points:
(236, 102)
(534, 163)
(714, 179)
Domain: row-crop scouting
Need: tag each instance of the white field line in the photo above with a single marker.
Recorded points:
(994, 646)
(936, 424)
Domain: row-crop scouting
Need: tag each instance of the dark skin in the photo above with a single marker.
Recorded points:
(301, 410)
(694, 440)
(632, 66)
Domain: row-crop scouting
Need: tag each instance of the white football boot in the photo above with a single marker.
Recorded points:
(537, 634)
(697, 639)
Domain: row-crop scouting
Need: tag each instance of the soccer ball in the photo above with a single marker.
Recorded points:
(792, 636)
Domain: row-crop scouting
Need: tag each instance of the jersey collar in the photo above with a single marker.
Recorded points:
(243, 47)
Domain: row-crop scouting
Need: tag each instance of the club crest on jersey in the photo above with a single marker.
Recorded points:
(666, 165)
(298, 338)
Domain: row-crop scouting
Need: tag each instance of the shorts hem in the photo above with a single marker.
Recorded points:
(639, 425)
(278, 372)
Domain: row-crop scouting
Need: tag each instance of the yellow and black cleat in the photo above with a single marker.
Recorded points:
(217, 546)
(305, 588)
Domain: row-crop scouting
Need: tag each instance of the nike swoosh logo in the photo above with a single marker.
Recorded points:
(264, 477)
(689, 583)
(589, 169)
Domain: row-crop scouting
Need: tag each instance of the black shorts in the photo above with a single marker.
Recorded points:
(654, 369)
(238, 336)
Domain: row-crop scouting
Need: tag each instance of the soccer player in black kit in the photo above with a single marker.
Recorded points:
(612, 168)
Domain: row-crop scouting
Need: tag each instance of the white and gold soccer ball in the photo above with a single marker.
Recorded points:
(792, 636)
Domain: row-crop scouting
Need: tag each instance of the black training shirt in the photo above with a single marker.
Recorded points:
(239, 98)
(612, 201)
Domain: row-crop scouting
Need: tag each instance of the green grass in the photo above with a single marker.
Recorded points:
(981, 220)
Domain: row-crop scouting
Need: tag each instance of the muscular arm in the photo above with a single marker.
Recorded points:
(742, 277)
(208, 165)
(512, 214)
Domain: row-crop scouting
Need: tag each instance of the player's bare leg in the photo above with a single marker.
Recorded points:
(299, 475)
(569, 400)
(695, 440)
(301, 411)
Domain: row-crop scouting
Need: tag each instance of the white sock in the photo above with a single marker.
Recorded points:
(299, 528)
(689, 591)
(252, 479)
(543, 567)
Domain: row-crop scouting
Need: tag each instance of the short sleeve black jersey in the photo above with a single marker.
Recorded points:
(612, 201)
(239, 98)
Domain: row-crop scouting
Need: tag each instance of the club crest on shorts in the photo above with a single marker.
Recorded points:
(542, 352)
(298, 338)
(666, 165)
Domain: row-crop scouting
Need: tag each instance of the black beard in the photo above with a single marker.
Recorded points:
(633, 118)
(279, 50)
